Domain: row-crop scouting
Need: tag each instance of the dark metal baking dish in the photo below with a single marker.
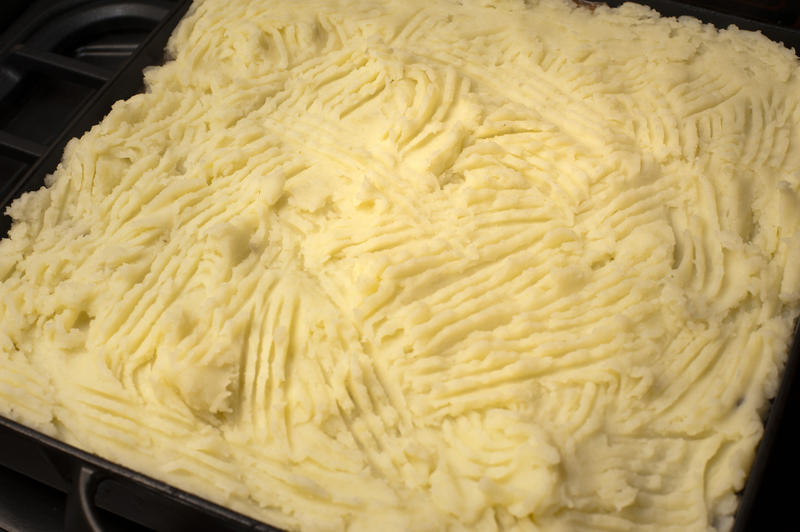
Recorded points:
(62, 65)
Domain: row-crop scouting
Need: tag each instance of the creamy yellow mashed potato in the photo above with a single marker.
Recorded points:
(414, 265)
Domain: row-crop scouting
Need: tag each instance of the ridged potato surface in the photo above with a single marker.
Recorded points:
(422, 265)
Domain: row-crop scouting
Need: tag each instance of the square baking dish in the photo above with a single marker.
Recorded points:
(62, 64)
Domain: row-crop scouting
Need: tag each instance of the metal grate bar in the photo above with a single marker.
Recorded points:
(20, 148)
(24, 57)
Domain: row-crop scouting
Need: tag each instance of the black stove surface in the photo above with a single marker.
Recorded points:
(47, 76)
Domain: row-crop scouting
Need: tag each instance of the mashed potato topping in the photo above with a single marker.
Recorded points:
(413, 265)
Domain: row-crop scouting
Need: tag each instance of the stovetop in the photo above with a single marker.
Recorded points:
(51, 70)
